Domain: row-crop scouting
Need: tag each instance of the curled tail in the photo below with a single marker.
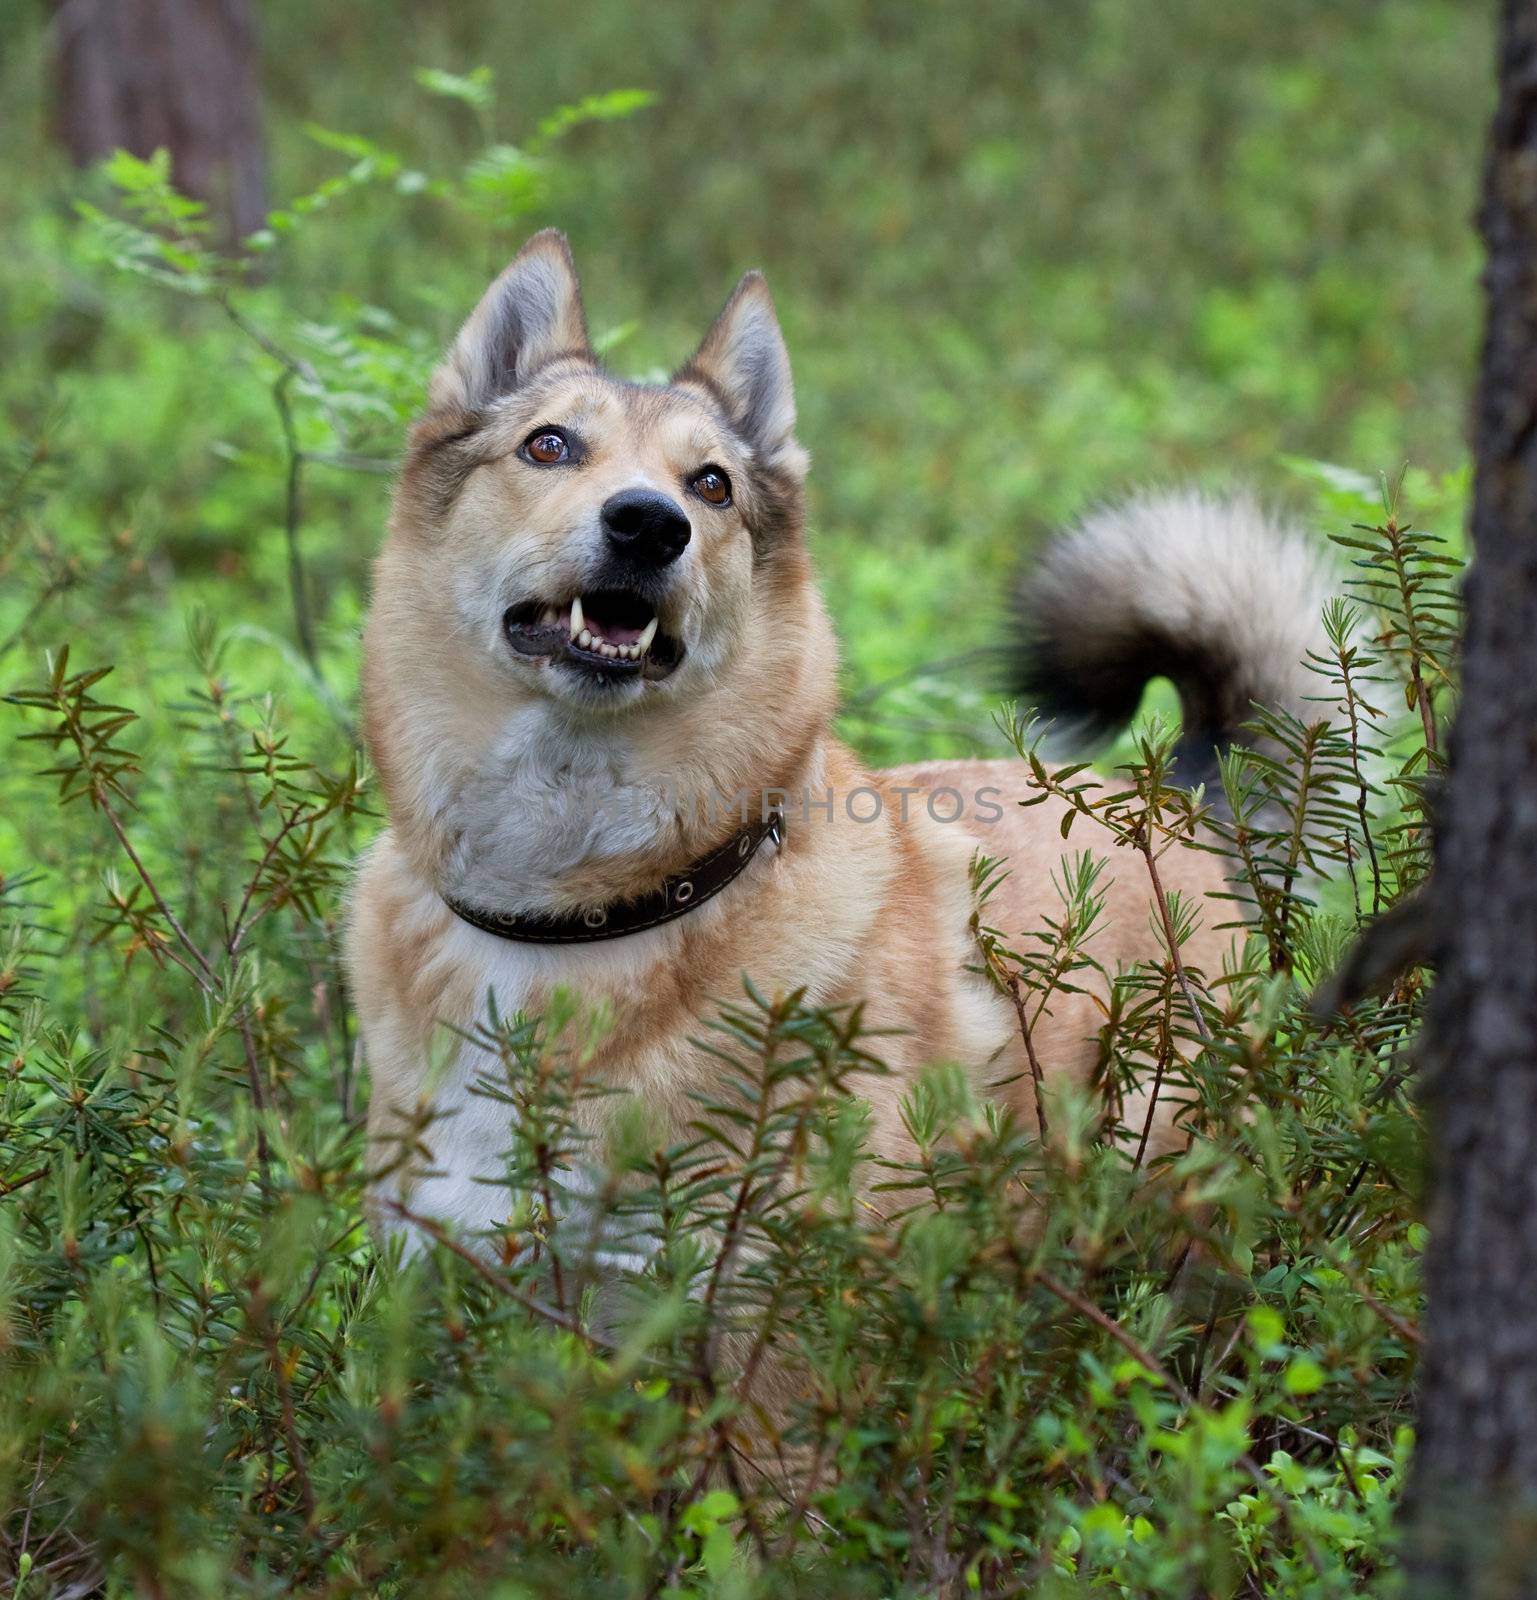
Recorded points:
(1212, 592)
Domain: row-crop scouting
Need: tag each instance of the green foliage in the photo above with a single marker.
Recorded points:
(708, 1367)
(1026, 1370)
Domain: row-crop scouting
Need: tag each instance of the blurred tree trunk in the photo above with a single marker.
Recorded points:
(1472, 1507)
(180, 74)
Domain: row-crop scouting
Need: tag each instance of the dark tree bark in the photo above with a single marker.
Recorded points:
(142, 75)
(1471, 1513)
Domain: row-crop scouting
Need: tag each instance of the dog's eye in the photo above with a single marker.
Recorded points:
(712, 486)
(547, 446)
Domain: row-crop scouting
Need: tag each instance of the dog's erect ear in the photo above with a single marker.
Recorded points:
(532, 312)
(743, 361)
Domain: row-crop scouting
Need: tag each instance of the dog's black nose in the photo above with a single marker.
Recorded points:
(647, 527)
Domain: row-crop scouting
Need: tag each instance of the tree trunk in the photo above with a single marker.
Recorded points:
(1471, 1511)
(142, 75)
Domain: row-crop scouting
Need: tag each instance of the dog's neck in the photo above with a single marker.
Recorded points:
(558, 814)
(522, 803)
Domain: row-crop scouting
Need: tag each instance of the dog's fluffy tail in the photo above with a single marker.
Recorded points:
(1212, 592)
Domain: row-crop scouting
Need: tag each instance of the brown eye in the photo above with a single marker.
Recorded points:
(547, 446)
(712, 486)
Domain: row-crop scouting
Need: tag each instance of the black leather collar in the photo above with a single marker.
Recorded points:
(676, 897)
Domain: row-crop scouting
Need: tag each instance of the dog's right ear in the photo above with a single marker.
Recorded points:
(532, 313)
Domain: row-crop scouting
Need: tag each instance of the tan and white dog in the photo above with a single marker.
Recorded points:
(596, 654)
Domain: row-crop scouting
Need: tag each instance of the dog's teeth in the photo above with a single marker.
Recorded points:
(578, 621)
(608, 649)
(648, 633)
(584, 639)
(628, 650)
(550, 617)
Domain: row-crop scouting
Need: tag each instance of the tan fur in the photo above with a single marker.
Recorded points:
(475, 748)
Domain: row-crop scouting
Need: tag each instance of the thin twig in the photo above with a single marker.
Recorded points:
(293, 484)
(258, 1093)
(240, 927)
(1165, 1052)
(546, 1313)
(1405, 1330)
(297, 1460)
(1144, 844)
(1352, 701)
(50, 592)
(1419, 653)
(1037, 1076)
(207, 981)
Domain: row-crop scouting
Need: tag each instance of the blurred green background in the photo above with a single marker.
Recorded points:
(1026, 254)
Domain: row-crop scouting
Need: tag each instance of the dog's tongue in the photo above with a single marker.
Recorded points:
(615, 632)
(602, 627)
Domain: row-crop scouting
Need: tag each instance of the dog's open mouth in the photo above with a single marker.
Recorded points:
(611, 633)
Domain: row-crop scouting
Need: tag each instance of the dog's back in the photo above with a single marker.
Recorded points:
(1214, 593)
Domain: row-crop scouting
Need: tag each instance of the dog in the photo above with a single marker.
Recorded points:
(598, 687)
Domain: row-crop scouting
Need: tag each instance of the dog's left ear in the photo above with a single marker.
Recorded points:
(532, 313)
(744, 363)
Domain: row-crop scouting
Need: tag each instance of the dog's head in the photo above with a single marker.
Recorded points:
(603, 539)
(589, 580)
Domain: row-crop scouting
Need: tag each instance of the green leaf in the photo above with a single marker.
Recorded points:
(610, 107)
(475, 88)
(1268, 1329)
(717, 1552)
(1303, 1376)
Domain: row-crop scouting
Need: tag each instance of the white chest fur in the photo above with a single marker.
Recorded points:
(445, 1070)
(546, 800)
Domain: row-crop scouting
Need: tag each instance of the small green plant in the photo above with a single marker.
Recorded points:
(750, 1359)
